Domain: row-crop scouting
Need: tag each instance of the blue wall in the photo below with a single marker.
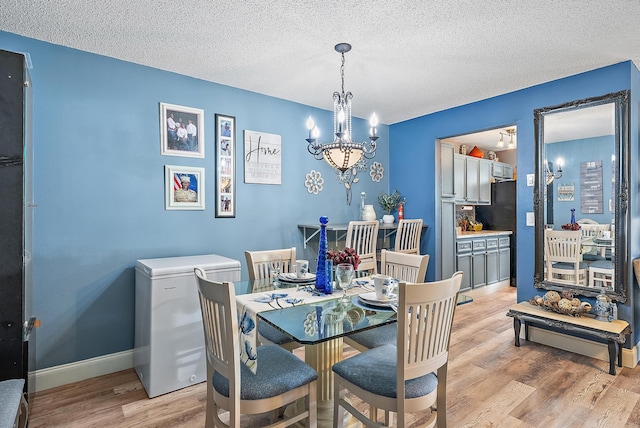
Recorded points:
(574, 153)
(99, 189)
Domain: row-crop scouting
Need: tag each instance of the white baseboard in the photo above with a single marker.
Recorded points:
(580, 346)
(81, 370)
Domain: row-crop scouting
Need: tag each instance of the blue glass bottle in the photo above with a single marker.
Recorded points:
(322, 279)
(328, 289)
(573, 215)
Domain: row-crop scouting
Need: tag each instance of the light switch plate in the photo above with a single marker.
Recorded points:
(531, 178)
(531, 220)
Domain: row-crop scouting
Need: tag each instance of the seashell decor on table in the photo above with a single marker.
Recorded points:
(562, 303)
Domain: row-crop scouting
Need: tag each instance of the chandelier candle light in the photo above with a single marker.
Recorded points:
(342, 153)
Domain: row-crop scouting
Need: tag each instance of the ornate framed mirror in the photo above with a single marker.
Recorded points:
(580, 196)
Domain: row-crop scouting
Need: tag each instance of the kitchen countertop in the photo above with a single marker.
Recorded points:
(483, 234)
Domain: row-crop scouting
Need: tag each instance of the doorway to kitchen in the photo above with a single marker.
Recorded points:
(478, 207)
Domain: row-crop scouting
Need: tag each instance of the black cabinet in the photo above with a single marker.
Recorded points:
(16, 226)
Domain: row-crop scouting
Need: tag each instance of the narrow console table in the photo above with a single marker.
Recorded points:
(340, 230)
(615, 332)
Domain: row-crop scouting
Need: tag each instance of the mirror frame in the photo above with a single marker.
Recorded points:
(621, 196)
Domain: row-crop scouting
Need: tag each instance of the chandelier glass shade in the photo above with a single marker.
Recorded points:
(342, 153)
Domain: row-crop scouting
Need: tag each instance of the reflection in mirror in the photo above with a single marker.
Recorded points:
(580, 197)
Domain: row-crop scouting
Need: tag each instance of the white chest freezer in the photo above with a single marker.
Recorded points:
(169, 349)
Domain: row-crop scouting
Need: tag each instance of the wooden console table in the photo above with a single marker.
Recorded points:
(615, 332)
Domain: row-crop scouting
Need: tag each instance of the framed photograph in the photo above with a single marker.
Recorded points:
(226, 167)
(262, 157)
(184, 188)
(181, 131)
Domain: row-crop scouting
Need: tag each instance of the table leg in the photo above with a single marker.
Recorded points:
(612, 356)
(516, 329)
(322, 357)
(619, 348)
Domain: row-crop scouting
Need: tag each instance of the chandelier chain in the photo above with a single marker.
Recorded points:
(342, 74)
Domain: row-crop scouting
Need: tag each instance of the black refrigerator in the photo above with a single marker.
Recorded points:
(501, 215)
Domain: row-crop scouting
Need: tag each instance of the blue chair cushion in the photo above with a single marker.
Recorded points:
(375, 371)
(568, 266)
(602, 264)
(372, 338)
(10, 397)
(272, 334)
(592, 257)
(278, 371)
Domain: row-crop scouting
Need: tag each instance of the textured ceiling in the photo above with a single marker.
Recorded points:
(409, 58)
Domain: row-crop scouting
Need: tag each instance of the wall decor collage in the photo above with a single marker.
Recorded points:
(182, 134)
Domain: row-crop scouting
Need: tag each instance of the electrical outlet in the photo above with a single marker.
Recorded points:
(531, 178)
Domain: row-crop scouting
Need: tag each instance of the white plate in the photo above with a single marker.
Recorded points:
(292, 277)
(371, 299)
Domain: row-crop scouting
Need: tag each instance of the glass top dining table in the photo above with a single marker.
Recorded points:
(320, 326)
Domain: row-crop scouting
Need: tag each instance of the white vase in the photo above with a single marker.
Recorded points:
(369, 213)
(387, 218)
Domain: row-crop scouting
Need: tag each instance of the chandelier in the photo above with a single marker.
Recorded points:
(342, 153)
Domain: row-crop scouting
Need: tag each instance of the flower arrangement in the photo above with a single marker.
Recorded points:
(390, 201)
(348, 255)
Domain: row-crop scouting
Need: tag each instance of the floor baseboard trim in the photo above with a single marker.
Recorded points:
(81, 370)
(579, 345)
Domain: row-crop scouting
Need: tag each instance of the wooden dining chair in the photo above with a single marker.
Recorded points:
(601, 274)
(411, 375)
(363, 237)
(258, 262)
(281, 377)
(563, 259)
(404, 267)
(408, 236)
(258, 265)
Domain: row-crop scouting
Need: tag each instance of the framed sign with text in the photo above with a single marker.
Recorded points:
(262, 158)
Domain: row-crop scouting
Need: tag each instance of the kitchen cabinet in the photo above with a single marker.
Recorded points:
(501, 171)
(479, 263)
(504, 250)
(484, 182)
(493, 261)
(459, 178)
(484, 260)
(447, 237)
(471, 259)
(447, 212)
(472, 180)
(464, 257)
(447, 152)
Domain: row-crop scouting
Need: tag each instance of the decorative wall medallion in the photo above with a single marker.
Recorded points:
(314, 182)
(376, 171)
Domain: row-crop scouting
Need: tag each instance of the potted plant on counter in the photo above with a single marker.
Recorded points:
(389, 202)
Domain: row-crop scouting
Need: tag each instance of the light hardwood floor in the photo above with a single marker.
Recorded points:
(491, 383)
